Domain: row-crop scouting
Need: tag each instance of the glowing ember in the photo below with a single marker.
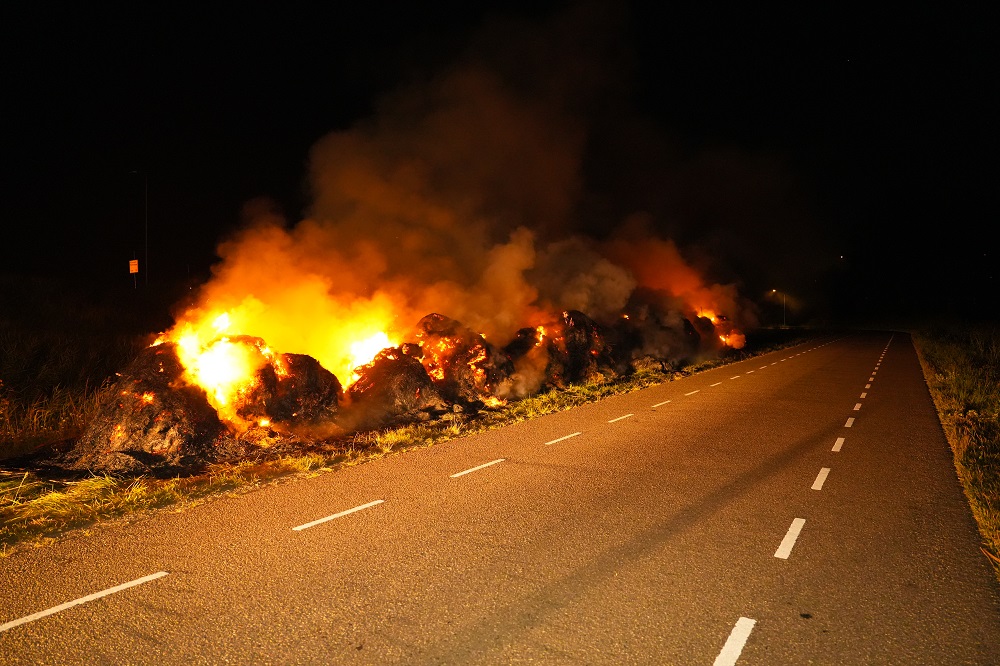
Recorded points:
(436, 357)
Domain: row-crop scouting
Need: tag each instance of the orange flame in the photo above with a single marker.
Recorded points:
(226, 367)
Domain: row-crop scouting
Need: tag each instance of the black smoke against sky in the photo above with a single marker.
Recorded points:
(767, 144)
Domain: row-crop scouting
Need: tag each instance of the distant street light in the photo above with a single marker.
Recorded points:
(775, 291)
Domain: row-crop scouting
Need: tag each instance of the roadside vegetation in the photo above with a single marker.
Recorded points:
(962, 366)
(54, 375)
(59, 353)
(60, 348)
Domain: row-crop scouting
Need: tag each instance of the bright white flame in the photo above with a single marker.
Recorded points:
(363, 351)
(222, 322)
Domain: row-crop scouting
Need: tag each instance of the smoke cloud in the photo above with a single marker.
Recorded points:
(462, 195)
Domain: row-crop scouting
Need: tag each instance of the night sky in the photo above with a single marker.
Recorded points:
(842, 155)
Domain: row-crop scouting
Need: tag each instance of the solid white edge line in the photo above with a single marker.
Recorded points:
(563, 438)
(839, 443)
(620, 418)
(785, 549)
(821, 478)
(660, 404)
(336, 515)
(692, 392)
(82, 600)
(734, 644)
(477, 468)
(849, 423)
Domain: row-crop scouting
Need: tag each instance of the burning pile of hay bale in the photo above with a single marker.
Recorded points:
(158, 420)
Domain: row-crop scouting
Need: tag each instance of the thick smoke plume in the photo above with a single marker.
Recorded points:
(460, 196)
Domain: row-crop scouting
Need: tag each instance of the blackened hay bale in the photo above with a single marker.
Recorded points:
(152, 420)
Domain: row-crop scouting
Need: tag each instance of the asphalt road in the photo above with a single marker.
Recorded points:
(796, 508)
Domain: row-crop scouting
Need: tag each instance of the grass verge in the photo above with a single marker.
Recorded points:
(962, 367)
(35, 510)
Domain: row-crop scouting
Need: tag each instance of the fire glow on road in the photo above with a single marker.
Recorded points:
(477, 468)
(336, 515)
(81, 600)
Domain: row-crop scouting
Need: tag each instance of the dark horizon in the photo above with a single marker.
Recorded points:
(836, 159)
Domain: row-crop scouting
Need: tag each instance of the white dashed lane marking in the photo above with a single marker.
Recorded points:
(554, 441)
(477, 468)
(336, 515)
(785, 549)
(82, 600)
(821, 478)
(734, 644)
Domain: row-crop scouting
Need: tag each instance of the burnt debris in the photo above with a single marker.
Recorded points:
(157, 421)
(152, 420)
(394, 388)
(466, 368)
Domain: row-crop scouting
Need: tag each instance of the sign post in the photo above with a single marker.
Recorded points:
(133, 268)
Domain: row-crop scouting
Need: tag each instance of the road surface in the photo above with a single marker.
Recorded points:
(799, 507)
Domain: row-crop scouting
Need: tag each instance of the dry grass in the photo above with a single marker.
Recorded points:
(35, 510)
(962, 368)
